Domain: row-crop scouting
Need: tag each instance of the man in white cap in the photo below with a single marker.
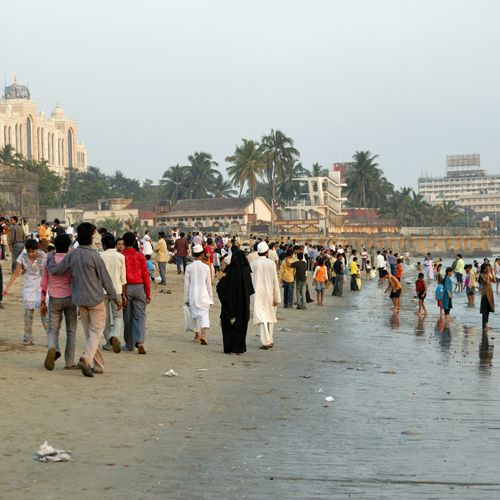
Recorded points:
(198, 294)
(267, 295)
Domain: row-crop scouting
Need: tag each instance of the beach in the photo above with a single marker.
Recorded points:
(414, 411)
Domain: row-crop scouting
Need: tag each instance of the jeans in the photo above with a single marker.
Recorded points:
(58, 307)
(28, 323)
(134, 316)
(114, 320)
(17, 248)
(162, 268)
(93, 322)
(288, 294)
(301, 293)
(178, 261)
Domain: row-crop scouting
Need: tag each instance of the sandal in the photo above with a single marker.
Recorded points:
(203, 342)
(27, 342)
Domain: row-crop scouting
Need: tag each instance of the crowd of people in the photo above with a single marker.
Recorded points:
(106, 281)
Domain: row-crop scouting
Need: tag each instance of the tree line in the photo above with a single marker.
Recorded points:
(267, 167)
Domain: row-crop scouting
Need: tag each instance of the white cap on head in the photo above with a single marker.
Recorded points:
(262, 247)
(197, 249)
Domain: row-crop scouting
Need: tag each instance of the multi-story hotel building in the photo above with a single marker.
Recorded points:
(35, 136)
(465, 183)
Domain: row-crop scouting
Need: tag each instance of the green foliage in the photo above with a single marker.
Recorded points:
(114, 225)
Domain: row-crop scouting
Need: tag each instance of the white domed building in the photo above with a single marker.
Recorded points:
(37, 137)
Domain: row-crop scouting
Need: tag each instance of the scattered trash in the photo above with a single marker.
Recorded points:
(201, 369)
(259, 456)
(171, 373)
(389, 372)
(326, 331)
(329, 399)
(411, 432)
(47, 453)
(306, 376)
(320, 389)
(336, 319)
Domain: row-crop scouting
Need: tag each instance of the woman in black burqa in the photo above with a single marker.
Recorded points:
(234, 290)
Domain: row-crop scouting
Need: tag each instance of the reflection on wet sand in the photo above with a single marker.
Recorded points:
(485, 351)
(420, 328)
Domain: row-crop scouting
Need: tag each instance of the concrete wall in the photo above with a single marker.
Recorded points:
(19, 193)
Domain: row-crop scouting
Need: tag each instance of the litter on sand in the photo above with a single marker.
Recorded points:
(336, 319)
(201, 369)
(171, 373)
(47, 453)
(329, 399)
(306, 376)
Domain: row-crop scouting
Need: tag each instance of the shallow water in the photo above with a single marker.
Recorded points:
(416, 410)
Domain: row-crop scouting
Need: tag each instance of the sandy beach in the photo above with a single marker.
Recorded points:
(404, 421)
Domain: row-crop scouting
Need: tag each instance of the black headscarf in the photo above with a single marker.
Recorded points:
(234, 289)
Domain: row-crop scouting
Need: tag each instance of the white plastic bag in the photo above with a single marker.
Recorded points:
(188, 319)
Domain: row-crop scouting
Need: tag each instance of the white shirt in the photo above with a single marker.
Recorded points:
(379, 260)
(115, 265)
(198, 288)
(267, 290)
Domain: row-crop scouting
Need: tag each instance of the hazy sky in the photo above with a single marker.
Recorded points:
(151, 82)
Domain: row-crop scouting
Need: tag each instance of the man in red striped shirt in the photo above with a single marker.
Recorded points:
(138, 292)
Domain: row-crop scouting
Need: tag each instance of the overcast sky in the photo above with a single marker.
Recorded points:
(151, 82)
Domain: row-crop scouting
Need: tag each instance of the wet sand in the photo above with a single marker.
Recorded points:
(416, 411)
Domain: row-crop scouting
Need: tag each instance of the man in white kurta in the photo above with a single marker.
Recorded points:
(198, 294)
(267, 295)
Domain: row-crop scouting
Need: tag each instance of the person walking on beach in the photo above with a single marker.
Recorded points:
(287, 276)
(58, 288)
(162, 257)
(16, 241)
(32, 261)
(448, 294)
(421, 289)
(88, 278)
(395, 286)
(355, 275)
(234, 290)
(137, 294)
(300, 267)
(338, 269)
(44, 234)
(486, 278)
(470, 284)
(459, 272)
(198, 294)
(267, 295)
(115, 265)
(181, 250)
(380, 264)
(428, 267)
(320, 277)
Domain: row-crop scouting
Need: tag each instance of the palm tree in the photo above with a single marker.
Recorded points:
(366, 185)
(174, 181)
(134, 224)
(278, 153)
(113, 224)
(247, 166)
(288, 188)
(222, 188)
(200, 174)
(8, 156)
(447, 212)
(317, 170)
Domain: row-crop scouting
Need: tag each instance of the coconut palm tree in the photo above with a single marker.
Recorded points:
(174, 182)
(278, 153)
(288, 188)
(446, 213)
(222, 188)
(317, 170)
(8, 156)
(113, 224)
(201, 174)
(247, 166)
(366, 185)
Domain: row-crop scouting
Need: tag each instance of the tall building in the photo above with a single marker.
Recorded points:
(37, 137)
(466, 183)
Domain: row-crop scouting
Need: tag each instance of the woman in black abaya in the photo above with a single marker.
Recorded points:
(234, 290)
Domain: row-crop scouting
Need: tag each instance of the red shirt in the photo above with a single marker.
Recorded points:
(181, 247)
(209, 252)
(399, 271)
(137, 270)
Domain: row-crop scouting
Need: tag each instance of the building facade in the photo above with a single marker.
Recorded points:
(223, 214)
(466, 183)
(38, 137)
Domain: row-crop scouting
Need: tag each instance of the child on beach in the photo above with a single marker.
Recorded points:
(421, 289)
(32, 260)
(395, 287)
(470, 284)
(439, 297)
(419, 267)
(399, 270)
(151, 268)
(319, 279)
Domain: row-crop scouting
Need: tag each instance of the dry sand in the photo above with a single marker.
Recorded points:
(133, 433)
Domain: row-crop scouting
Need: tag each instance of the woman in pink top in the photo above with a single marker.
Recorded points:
(58, 288)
